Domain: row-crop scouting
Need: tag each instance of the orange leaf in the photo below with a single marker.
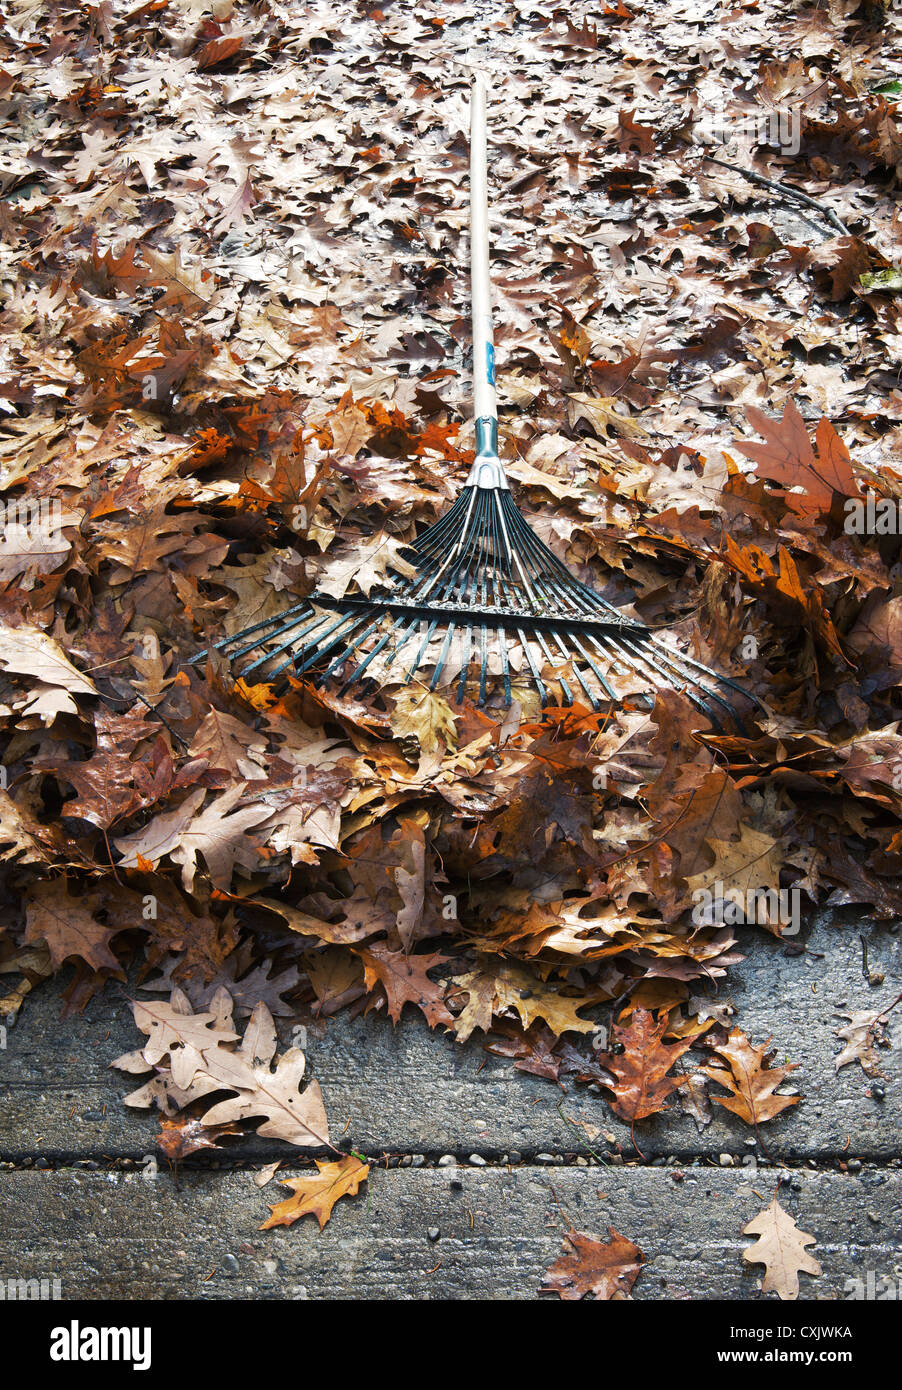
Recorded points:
(316, 1194)
(218, 51)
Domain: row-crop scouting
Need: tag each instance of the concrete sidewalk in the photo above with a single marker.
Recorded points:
(477, 1168)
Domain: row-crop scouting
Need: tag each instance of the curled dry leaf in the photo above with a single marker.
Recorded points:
(187, 1135)
(861, 1036)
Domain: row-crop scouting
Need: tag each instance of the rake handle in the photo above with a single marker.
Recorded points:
(487, 471)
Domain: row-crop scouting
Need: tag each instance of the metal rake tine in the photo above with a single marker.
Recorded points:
(484, 662)
(343, 656)
(321, 647)
(505, 666)
(598, 674)
(625, 664)
(306, 626)
(715, 675)
(540, 684)
(283, 647)
(568, 693)
(247, 631)
(420, 652)
(689, 689)
(467, 649)
(683, 666)
(540, 552)
(359, 670)
(573, 666)
(443, 657)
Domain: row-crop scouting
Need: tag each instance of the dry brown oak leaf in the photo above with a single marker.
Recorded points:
(68, 926)
(788, 458)
(202, 1062)
(183, 1135)
(187, 1038)
(641, 1084)
(316, 1194)
(865, 1030)
(510, 987)
(291, 1114)
(405, 981)
(607, 1269)
(750, 1080)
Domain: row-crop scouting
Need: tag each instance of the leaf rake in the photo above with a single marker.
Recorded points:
(486, 595)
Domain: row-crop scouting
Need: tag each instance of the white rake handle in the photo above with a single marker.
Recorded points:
(486, 471)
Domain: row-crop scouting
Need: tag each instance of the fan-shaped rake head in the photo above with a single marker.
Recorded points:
(490, 607)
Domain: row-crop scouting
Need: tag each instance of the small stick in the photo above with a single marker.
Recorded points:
(785, 189)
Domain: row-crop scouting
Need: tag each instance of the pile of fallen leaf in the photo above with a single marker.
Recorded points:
(233, 367)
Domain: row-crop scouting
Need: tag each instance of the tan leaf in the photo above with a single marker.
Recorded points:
(54, 680)
(230, 746)
(411, 884)
(174, 1030)
(367, 567)
(34, 964)
(218, 833)
(362, 918)
(291, 1114)
(519, 989)
(215, 833)
(425, 715)
(780, 1247)
(602, 414)
(40, 550)
(28, 651)
(336, 978)
(161, 835)
(203, 1060)
(266, 1175)
(477, 1013)
(860, 1038)
(17, 833)
(300, 825)
(742, 868)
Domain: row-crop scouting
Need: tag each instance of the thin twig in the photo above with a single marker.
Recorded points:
(786, 189)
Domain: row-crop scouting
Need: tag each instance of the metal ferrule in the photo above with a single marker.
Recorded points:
(487, 471)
